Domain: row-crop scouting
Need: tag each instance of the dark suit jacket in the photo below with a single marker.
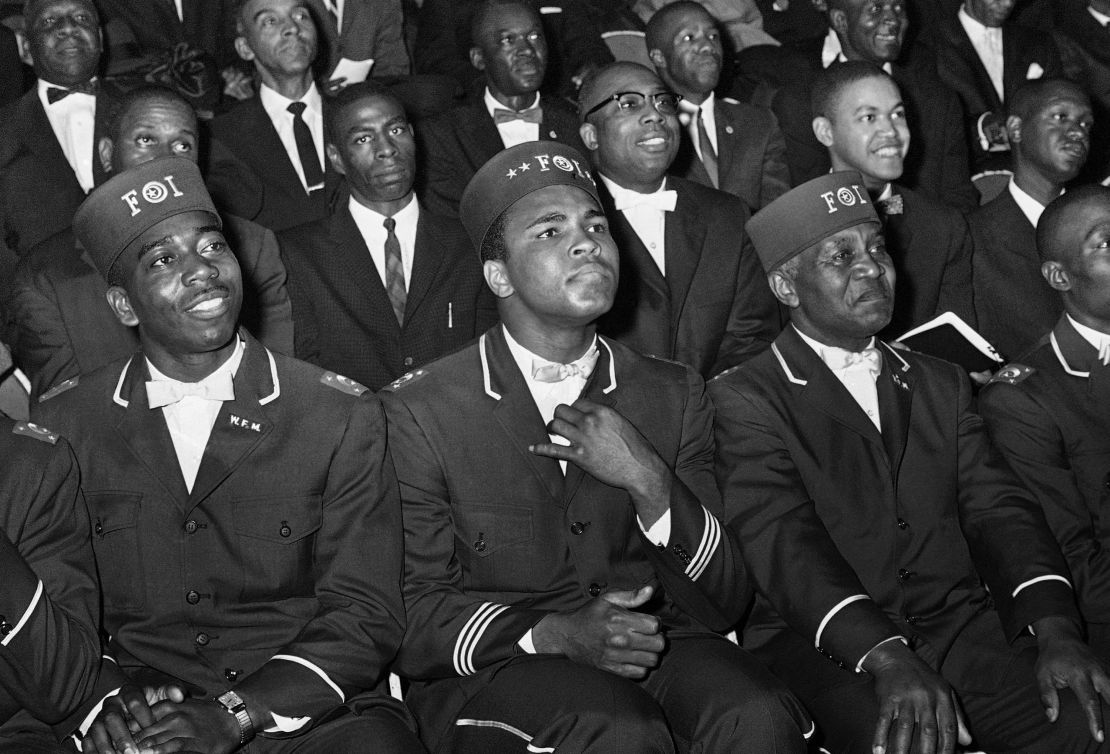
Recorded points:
(59, 324)
(931, 248)
(455, 144)
(287, 551)
(1080, 25)
(912, 518)
(371, 29)
(11, 68)
(1042, 414)
(459, 431)
(1013, 303)
(208, 25)
(937, 162)
(49, 666)
(751, 154)
(39, 192)
(247, 131)
(713, 309)
(344, 320)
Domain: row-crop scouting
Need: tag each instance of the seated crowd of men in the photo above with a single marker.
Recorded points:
(524, 399)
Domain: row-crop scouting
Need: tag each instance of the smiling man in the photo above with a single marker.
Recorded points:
(872, 507)
(245, 515)
(566, 568)
(383, 285)
(690, 288)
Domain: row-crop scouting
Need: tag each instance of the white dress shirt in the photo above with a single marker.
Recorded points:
(371, 226)
(1029, 206)
(987, 41)
(336, 6)
(688, 116)
(73, 120)
(860, 382)
(190, 420)
(515, 131)
(179, 5)
(648, 222)
(1102, 18)
(277, 107)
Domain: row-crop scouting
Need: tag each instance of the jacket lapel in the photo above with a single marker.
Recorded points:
(971, 57)
(601, 389)
(481, 137)
(356, 266)
(426, 261)
(895, 387)
(684, 236)
(727, 136)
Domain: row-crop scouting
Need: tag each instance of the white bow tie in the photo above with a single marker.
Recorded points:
(664, 201)
(544, 371)
(869, 359)
(161, 393)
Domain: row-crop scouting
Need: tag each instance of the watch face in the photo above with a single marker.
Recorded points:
(230, 699)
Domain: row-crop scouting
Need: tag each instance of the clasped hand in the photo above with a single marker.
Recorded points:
(158, 721)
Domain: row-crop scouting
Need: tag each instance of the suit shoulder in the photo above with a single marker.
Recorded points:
(927, 205)
(35, 432)
(299, 239)
(707, 196)
(747, 112)
(228, 126)
(445, 372)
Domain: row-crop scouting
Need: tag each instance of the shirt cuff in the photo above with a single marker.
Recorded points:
(88, 721)
(660, 532)
(859, 665)
(526, 643)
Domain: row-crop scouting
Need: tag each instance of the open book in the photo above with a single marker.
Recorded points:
(950, 338)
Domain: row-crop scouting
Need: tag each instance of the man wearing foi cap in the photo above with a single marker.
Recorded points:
(562, 522)
(245, 517)
(871, 504)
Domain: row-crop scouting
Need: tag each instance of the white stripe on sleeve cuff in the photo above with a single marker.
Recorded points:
(836, 609)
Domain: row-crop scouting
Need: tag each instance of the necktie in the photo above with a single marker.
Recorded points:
(306, 149)
(161, 393)
(868, 360)
(708, 154)
(333, 11)
(54, 93)
(892, 205)
(543, 371)
(394, 271)
(992, 39)
(531, 115)
(661, 200)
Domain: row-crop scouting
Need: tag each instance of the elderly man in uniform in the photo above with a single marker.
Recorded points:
(1048, 412)
(245, 515)
(873, 507)
(49, 601)
(566, 566)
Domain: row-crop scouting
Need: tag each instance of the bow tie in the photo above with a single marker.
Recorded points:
(543, 371)
(531, 115)
(869, 359)
(892, 205)
(161, 393)
(54, 93)
(664, 201)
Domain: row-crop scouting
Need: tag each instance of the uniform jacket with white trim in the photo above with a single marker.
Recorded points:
(914, 518)
(496, 538)
(279, 575)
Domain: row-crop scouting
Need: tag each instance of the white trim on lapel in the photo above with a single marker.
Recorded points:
(273, 376)
(894, 352)
(1060, 356)
(485, 369)
(612, 367)
(782, 362)
(119, 385)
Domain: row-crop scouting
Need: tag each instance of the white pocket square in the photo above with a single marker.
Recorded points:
(1035, 71)
(547, 10)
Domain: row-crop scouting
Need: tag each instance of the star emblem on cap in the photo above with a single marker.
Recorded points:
(524, 166)
(511, 174)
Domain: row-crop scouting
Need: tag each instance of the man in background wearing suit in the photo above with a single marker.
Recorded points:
(363, 29)
(690, 287)
(279, 133)
(1049, 131)
(873, 509)
(245, 514)
(561, 519)
(511, 50)
(382, 286)
(726, 144)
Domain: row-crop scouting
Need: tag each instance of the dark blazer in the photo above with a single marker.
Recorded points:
(59, 324)
(39, 192)
(208, 25)
(1080, 25)
(11, 68)
(713, 309)
(456, 143)
(247, 131)
(937, 163)
(371, 29)
(344, 320)
(278, 567)
(914, 519)
(751, 154)
(1047, 416)
(1013, 303)
(931, 248)
(49, 666)
(491, 540)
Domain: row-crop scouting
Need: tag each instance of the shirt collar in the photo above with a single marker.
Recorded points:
(832, 356)
(492, 103)
(833, 52)
(1102, 18)
(524, 358)
(686, 106)
(277, 105)
(618, 192)
(973, 27)
(886, 193)
(405, 217)
(231, 366)
(1029, 206)
(43, 85)
(1095, 337)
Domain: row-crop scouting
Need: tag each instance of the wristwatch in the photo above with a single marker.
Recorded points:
(235, 705)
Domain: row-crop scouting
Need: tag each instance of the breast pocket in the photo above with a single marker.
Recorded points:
(277, 543)
(115, 521)
(494, 547)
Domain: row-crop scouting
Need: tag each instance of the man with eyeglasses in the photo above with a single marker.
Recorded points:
(691, 288)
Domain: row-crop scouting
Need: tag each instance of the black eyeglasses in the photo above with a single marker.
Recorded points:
(666, 103)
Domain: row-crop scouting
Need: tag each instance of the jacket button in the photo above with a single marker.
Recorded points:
(231, 674)
(191, 527)
(905, 575)
(99, 528)
(285, 531)
(594, 590)
(577, 528)
(202, 639)
(192, 597)
(1106, 482)
(5, 627)
(902, 524)
(912, 620)
(408, 362)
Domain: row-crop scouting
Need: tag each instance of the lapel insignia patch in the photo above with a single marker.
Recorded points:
(237, 421)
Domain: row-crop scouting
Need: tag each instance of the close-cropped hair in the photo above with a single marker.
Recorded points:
(832, 81)
(335, 105)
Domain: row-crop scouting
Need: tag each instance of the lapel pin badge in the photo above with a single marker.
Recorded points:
(728, 129)
(237, 421)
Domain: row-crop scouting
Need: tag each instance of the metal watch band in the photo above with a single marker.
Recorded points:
(235, 706)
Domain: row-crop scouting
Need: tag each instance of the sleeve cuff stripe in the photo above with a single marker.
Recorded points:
(26, 615)
(315, 669)
(471, 634)
(836, 609)
(710, 540)
(1031, 582)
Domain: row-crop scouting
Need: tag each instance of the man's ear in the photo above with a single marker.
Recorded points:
(24, 48)
(477, 59)
(121, 306)
(588, 132)
(1056, 276)
(822, 129)
(497, 278)
(838, 21)
(334, 159)
(821, 6)
(104, 149)
(1013, 129)
(784, 289)
(657, 60)
(243, 48)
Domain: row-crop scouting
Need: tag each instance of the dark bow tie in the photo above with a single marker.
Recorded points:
(54, 93)
(531, 115)
(892, 205)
